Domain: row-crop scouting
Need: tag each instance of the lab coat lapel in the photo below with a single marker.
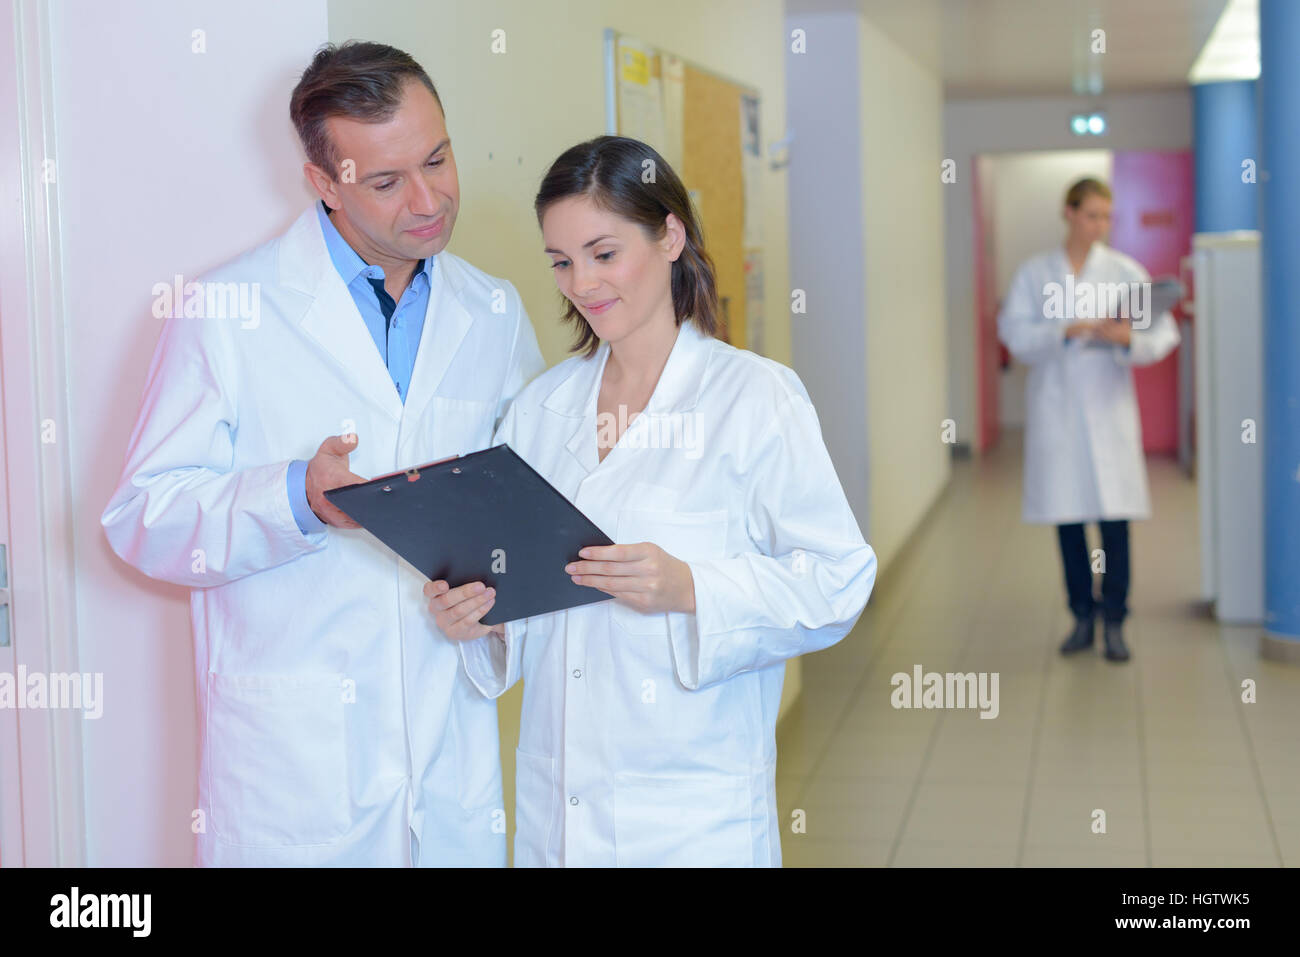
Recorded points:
(679, 385)
(675, 396)
(1095, 260)
(575, 398)
(446, 322)
(331, 318)
(676, 392)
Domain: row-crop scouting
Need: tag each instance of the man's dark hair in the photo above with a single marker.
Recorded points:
(359, 80)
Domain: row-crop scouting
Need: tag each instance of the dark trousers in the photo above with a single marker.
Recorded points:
(1078, 570)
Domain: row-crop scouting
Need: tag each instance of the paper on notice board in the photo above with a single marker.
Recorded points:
(753, 302)
(751, 166)
(640, 93)
(674, 85)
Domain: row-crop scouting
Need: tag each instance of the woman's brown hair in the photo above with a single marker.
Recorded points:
(628, 178)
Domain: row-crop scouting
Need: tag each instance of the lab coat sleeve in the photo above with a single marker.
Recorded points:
(181, 512)
(808, 579)
(1027, 333)
(1153, 343)
(525, 357)
(1158, 339)
(1150, 345)
(494, 665)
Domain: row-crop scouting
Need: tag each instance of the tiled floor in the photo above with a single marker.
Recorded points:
(1185, 773)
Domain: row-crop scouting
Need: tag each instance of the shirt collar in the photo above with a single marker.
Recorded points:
(346, 260)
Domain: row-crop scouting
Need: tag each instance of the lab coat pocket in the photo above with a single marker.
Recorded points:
(683, 820)
(536, 799)
(688, 536)
(458, 426)
(277, 773)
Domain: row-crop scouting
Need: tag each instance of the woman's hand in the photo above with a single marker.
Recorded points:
(1083, 329)
(643, 576)
(1118, 332)
(457, 610)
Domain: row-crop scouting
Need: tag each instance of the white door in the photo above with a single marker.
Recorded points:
(11, 845)
(41, 822)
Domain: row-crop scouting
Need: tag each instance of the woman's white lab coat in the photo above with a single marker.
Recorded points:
(335, 721)
(649, 739)
(1083, 437)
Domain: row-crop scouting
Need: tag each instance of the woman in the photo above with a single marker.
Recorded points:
(648, 727)
(1083, 439)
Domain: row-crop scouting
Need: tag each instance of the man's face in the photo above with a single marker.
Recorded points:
(400, 195)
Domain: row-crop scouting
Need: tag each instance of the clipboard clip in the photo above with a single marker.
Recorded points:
(413, 474)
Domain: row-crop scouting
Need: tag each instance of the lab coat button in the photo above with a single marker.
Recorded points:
(573, 801)
(577, 672)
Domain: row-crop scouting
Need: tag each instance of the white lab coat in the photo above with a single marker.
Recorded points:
(649, 739)
(1083, 437)
(335, 720)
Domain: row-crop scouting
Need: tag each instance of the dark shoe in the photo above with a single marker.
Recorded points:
(1115, 648)
(1081, 638)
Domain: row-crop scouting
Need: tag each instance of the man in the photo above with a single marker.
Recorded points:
(1083, 437)
(336, 727)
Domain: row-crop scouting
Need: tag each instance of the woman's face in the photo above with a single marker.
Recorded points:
(1090, 221)
(616, 276)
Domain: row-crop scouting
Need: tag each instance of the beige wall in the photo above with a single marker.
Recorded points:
(901, 111)
(510, 115)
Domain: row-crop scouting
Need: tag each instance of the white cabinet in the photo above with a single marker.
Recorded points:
(1229, 424)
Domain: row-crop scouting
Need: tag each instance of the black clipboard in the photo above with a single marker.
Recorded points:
(486, 516)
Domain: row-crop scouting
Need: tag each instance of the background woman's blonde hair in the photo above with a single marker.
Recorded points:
(1084, 188)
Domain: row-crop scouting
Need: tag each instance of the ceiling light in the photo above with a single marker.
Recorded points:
(1088, 124)
(1232, 50)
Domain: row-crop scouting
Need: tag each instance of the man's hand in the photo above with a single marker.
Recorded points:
(328, 469)
(643, 576)
(457, 610)
(1083, 329)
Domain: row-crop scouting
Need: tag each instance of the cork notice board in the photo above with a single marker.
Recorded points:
(697, 120)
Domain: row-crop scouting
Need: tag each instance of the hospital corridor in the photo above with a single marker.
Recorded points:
(857, 438)
(1187, 774)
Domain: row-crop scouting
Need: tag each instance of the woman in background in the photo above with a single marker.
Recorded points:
(648, 726)
(1083, 438)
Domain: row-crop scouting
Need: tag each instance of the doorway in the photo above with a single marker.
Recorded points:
(1017, 208)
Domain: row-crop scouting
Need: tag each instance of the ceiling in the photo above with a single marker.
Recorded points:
(1019, 47)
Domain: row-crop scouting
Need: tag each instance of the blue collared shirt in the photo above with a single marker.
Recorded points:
(394, 327)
